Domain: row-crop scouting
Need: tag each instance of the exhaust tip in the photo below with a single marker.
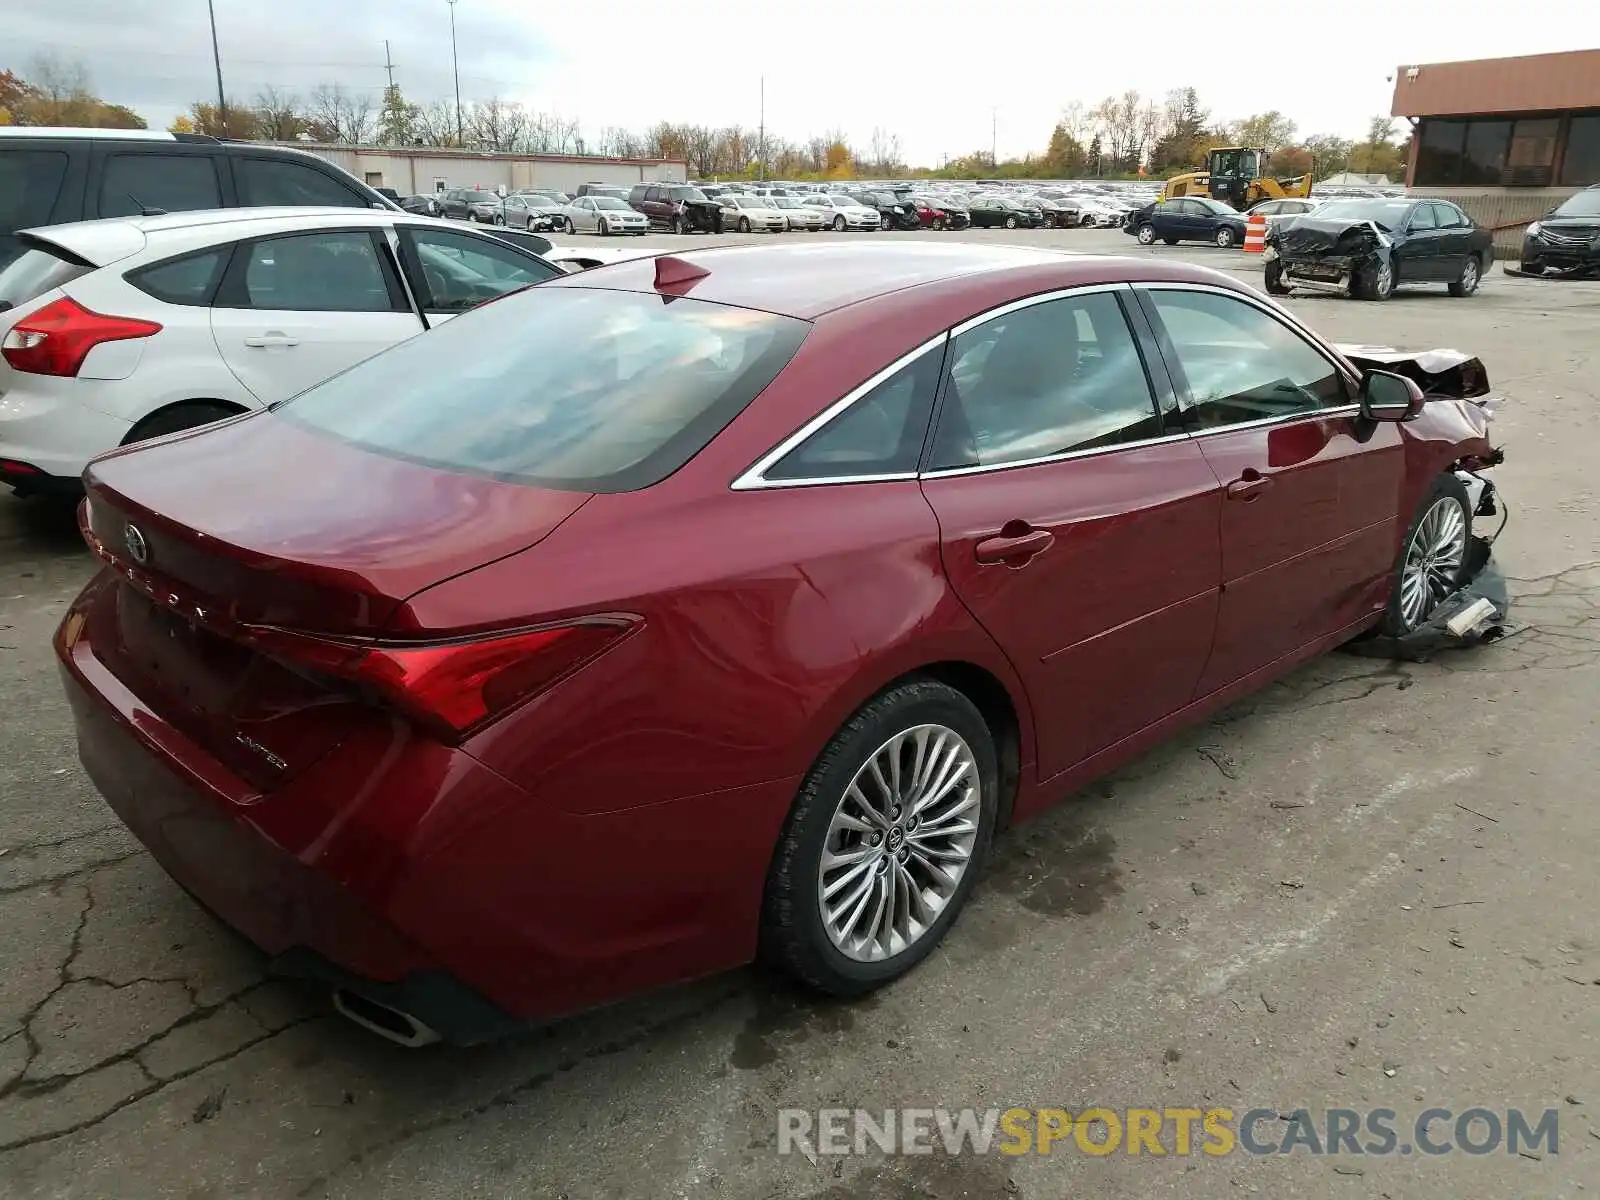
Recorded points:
(391, 1024)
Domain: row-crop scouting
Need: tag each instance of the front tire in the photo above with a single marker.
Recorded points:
(1011, 222)
(1170, 241)
(838, 224)
(1146, 235)
(1377, 282)
(744, 224)
(1471, 276)
(878, 857)
(679, 225)
(1273, 274)
(1432, 556)
(570, 228)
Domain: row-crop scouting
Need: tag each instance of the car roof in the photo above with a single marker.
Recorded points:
(807, 281)
(112, 238)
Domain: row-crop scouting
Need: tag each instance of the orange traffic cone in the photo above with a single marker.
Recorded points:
(1255, 234)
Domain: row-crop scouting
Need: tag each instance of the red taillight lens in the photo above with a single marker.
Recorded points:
(56, 339)
(453, 687)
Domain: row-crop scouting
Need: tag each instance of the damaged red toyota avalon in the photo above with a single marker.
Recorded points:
(684, 612)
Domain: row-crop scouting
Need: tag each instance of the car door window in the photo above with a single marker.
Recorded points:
(1422, 217)
(132, 183)
(460, 271)
(30, 182)
(880, 434)
(1242, 364)
(315, 272)
(1447, 216)
(270, 181)
(1060, 376)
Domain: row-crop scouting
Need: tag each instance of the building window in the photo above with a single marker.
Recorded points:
(1439, 153)
(1581, 164)
(374, 178)
(1532, 159)
(1485, 156)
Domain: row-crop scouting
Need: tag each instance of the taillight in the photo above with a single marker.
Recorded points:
(452, 687)
(56, 339)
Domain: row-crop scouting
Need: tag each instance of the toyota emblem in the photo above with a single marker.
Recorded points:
(138, 549)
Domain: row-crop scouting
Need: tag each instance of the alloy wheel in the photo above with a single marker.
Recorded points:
(900, 842)
(1433, 560)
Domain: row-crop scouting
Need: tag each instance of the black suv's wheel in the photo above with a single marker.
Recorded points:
(884, 841)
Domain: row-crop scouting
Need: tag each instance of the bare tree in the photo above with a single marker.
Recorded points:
(57, 80)
(498, 124)
(703, 150)
(341, 116)
(436, 124)
(280, 117)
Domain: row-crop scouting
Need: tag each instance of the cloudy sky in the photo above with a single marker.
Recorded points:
(934, 73)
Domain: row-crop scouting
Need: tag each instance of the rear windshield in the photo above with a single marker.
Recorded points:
(586, 390)
(34, 272)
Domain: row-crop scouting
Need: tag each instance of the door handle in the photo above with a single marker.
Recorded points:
(1249, 485)
(1013, 549)
(267, 340)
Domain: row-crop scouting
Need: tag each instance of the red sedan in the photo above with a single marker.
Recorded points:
(680, 612)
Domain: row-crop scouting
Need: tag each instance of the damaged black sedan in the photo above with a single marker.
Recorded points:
(1365, 248)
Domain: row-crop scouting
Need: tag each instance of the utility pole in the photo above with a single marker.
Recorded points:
(761, 133)
(994, 135)
(388, 61)
(216, 59)
(455, 66)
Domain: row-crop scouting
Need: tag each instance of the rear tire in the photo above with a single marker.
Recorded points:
(1434, 570)
(1224, 238)
(1471, 276)
(175, 418)
(795, 936)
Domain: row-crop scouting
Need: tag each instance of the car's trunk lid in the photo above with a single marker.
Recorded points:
(210, 550)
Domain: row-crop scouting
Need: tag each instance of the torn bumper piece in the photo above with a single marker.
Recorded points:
(1474, 614)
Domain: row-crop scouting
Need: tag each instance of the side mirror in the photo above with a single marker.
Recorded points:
(1386, 396)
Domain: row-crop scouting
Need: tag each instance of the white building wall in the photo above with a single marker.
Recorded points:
(410, 172)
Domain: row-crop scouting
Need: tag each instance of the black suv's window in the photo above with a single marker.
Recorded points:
(131, 183)
(270, 181)
(30, 181)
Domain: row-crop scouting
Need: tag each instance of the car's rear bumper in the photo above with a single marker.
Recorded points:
(413, 875)
(44, 427)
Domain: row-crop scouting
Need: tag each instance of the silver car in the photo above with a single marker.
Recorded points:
(524, 210)
(845, 212)
(800, 215)
(603, 215)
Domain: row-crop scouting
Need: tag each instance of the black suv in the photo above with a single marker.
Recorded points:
(896, 210)
(1567, 238)
(679, 207)
(52, 176)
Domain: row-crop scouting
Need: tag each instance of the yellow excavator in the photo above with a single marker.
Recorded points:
(1233, 175)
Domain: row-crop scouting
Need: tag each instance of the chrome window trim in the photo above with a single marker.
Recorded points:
(1064, 456)
(753, 478)
(992, 314)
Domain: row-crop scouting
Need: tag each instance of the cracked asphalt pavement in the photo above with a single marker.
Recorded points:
(1368, 885)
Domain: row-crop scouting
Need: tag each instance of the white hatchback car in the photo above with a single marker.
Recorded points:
(119, 330)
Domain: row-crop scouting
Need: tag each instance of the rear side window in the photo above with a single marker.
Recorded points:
(317, 272)
(571, 388)
(191, 279)
(30, 182)
(270, 181)
(35, 272)
(131, 183)
(880, 434)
